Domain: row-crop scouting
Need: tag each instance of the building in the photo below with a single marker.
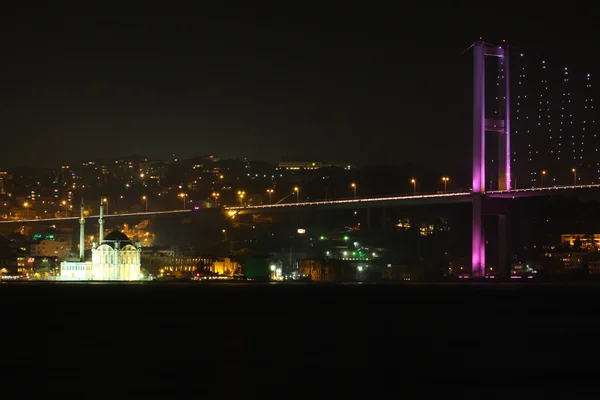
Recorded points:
(3, 181)
(114, 258)
(296, 165)
(227, 267)
(316, 271)
(117, 258)
(51, 248)
(165, 264)
(594, 267)
(586, 241)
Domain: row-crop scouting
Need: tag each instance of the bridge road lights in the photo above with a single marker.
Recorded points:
(414, 183)
(270, 193)
(297, 190)
(105, 201)
(146, 201)
(543, 174)
(183, 196)
(241, 195)
(445, 179)
(574, 171)
(353, 186)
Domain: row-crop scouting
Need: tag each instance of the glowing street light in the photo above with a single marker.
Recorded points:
(105, 200)
(216, 196)
(183, 196)
(353, 186)
(297, 190)
(574, 171)
(414, 183)
(225, 234)
(241, 195)
(445, 179)
(146, 201)
(542, 177)
(270, 193)
(64, 203)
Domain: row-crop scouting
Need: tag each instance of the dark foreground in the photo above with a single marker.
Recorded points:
(249, 340)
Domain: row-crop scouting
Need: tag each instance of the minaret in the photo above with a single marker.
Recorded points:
(82, 234)
(101, 222)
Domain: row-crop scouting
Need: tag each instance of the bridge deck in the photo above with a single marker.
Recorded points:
(405, 200)
(463, 196)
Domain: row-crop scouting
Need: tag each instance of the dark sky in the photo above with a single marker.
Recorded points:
(363, 85)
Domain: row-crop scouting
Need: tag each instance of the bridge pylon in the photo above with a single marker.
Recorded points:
(500, 123)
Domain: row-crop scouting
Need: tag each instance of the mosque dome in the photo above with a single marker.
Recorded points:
(116, 236)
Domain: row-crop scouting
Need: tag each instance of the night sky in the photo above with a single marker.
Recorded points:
(366, 85)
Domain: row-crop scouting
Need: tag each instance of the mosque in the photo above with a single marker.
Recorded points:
(114, 257)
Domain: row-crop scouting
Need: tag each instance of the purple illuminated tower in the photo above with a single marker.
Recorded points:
(481, 125)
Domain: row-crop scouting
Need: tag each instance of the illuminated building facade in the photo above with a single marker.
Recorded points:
(586, 241)
(227, 267)
(114, 258)
(3, 178)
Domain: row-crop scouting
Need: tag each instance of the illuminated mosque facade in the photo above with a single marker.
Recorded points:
(114, 257)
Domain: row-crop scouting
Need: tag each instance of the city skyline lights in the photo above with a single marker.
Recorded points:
(560, 135)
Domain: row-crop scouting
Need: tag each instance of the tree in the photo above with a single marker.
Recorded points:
(577, 244)
(5, 250)
(551, 266)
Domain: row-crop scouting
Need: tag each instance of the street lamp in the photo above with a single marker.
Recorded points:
(542, 177)
(25, 205)
(64, 203)
(225, 234)
(297, 190)
(216, 196)
(241, 195)
(105, 200)
(414, 183)
(270, 193)
(445, 179)
(146, 201)
(183, 196)
(574, 171)
(353, 186)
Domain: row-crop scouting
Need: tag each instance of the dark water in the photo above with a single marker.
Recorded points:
(245, 340)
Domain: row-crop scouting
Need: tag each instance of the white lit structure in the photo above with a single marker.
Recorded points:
(115, 258)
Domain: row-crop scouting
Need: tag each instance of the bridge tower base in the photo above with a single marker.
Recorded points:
(478, 238)
(499, 209)
(503, 255)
